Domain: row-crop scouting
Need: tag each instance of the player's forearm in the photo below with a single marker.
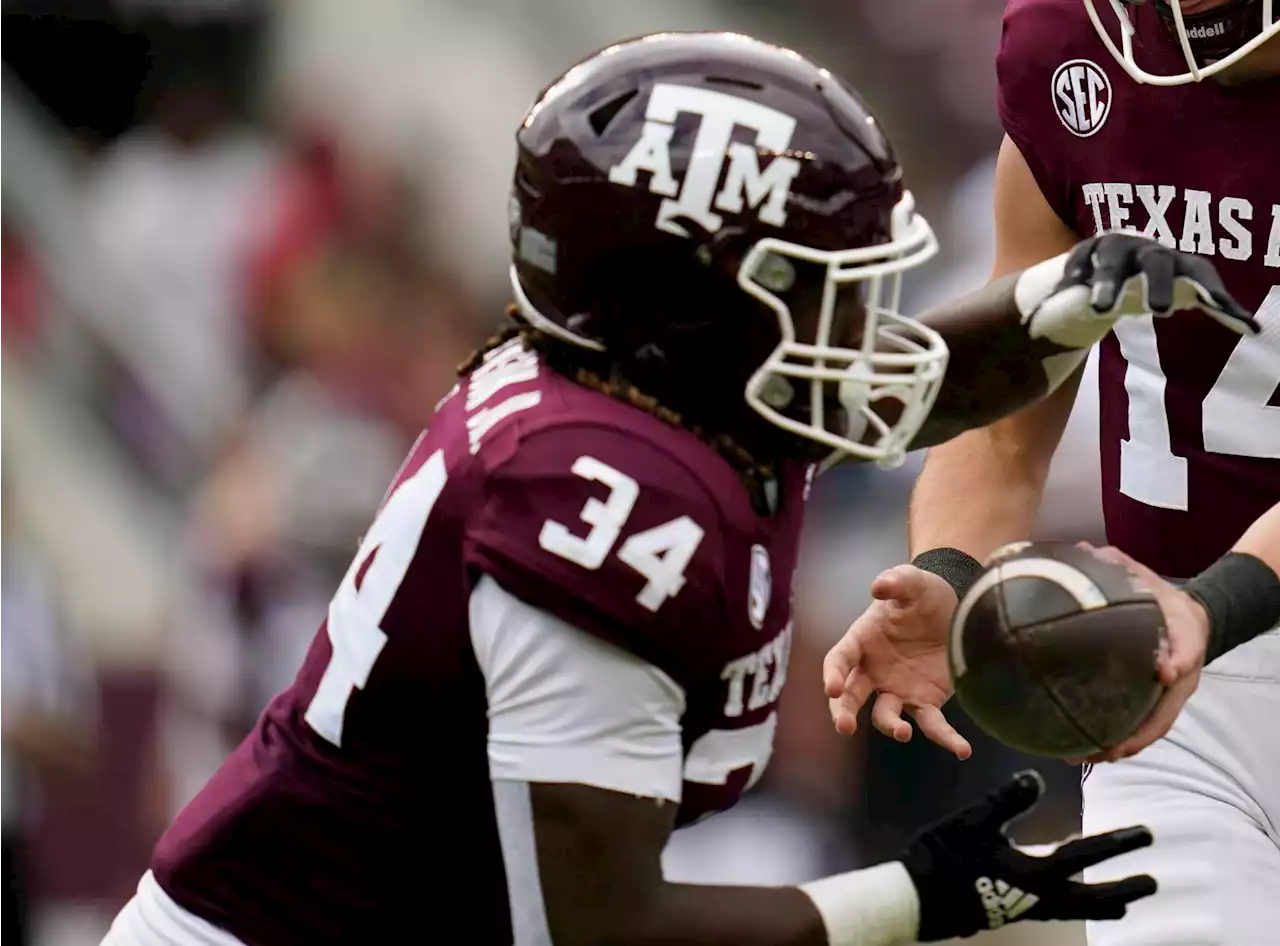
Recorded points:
(689, 913)
(875, 907)
(983, 489)
(599, 877)
(971, 496)
(998, 363)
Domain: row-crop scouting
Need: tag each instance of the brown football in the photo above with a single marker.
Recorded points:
(1053, 650)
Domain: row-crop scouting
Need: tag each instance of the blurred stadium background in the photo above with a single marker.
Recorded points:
(244, 245)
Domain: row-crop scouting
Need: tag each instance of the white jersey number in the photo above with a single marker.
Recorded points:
(1235, 416)
(355, 614)
(660, 554)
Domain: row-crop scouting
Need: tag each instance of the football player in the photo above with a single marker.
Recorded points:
(567, 628)
(1161, 119)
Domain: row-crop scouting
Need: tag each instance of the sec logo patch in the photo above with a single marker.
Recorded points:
(760, 590)
(1081, 96)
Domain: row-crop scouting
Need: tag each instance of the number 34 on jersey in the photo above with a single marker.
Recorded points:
(660, 555)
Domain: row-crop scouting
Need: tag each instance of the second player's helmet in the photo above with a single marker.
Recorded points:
(1210, 39)
(713, 208)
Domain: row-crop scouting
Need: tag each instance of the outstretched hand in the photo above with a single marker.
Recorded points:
(897, 649)
(971, 877)
(1118, 275)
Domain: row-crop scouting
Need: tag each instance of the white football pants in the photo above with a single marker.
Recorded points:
(151, 918)
(1210, 792)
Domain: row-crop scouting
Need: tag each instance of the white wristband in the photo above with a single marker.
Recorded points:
(878, 906)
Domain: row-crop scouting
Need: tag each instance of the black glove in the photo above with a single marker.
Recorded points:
(970, 877)
(1127, 274)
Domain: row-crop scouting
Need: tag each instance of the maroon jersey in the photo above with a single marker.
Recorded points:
(360, 808)
(1190, 412)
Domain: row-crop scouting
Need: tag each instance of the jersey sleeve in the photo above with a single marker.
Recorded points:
(612, 534)
(566, 706)
(1033, 41)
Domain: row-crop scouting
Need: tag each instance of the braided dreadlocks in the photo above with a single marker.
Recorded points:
(575, 364)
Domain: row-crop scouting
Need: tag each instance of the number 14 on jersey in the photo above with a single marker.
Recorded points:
(1236, 417)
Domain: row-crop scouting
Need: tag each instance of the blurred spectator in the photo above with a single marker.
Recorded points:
(344, 284)
(169, 216)
(365, 340)
(274, 526)
(48, 715)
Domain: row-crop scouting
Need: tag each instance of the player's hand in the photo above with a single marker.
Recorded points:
(1116, 275)
(970, 877)
(897, 649)
(1179, 661)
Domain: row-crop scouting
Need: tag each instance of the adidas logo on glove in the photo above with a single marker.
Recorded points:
(1003, 903)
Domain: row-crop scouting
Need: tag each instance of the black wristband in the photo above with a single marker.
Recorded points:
(1241, 594)
(958, 569)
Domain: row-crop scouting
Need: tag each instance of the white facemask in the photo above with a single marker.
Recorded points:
(1124, 54)
(900, 359)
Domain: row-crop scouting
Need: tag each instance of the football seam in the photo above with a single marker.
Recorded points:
(1114, 606)
(1025, 659)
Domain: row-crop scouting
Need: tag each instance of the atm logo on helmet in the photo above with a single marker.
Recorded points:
(1081, 96)
(696, 197)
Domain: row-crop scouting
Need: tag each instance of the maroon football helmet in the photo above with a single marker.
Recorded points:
(1210, 39)
(722, 217)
